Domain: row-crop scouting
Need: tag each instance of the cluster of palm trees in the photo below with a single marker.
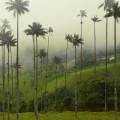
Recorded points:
(36, 30)
(112, 9)
(7, 41)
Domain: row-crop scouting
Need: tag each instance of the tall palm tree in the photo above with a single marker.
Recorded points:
(35, 30)
(42, 54)
(32, 31)
(5, 26)
(18, 7)
(57, 61)
(40, 32)
(3, 70)
(115, 13)
(50, 32)
(95, 20)
(108, 4)
(8, 40)
(67, 38)
(82, 14)
(76, 41)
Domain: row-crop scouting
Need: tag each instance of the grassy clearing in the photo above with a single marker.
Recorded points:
(68, 116)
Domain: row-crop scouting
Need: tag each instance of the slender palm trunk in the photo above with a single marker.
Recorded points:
(94, 48)
(115, 62)
(46, 80)
(66, 66)
(81, 55)
(17, 71)
(36, 81)
(12, 78)
(34, 74)
(76, 87)
(41, 85)
(8, 84)
(3, 77)
(106, 64)
(12, 71)
(56, 89)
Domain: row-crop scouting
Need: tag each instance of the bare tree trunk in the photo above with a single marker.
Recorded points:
(12, 72)
(76, 88)
(66, 66)
(56, 89)
(36, 81)
(17, 71)
(12, 78)
(8, 84)
(3, 77)
(41, 86)
(94, 49)
(115, 62)
(34, 76)
(46, 78)
(81, 50)
(106, 65)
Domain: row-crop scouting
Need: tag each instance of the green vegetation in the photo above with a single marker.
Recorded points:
(68, 116)
(91, 89)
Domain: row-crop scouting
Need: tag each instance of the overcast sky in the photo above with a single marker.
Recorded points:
(61, 15)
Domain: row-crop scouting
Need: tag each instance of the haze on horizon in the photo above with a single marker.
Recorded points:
(62, 16)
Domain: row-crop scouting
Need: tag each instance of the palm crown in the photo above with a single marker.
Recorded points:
(82, 13)
(75, 40)
(96, 19)
(17, 6)
(7, 38)
(42, 53)
(114, 11)
(108, 4)
(50, 30)
(68, 37)
(36, 29)
(57, 60)
(5, 24)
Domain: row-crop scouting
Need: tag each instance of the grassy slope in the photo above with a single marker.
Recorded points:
(68, 116)
(88, 75)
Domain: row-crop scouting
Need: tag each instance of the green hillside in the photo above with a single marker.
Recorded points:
(90, 89)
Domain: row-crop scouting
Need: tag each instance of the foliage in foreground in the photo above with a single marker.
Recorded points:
(68, 116)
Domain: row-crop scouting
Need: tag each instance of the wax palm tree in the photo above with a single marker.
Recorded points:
(35, 30)
(115, 13)
(40, 32)
(3, 70)
(108, 4)
(95, 20)
(68, 38)
(8, 40)
(32, 31)
(50, 32)
(42, 54)
(82, 14)
(5, 26)
(76, 41)
(18, 7)
(57, 61)
(3, 37)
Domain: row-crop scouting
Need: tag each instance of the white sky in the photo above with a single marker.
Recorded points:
(61, 15)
